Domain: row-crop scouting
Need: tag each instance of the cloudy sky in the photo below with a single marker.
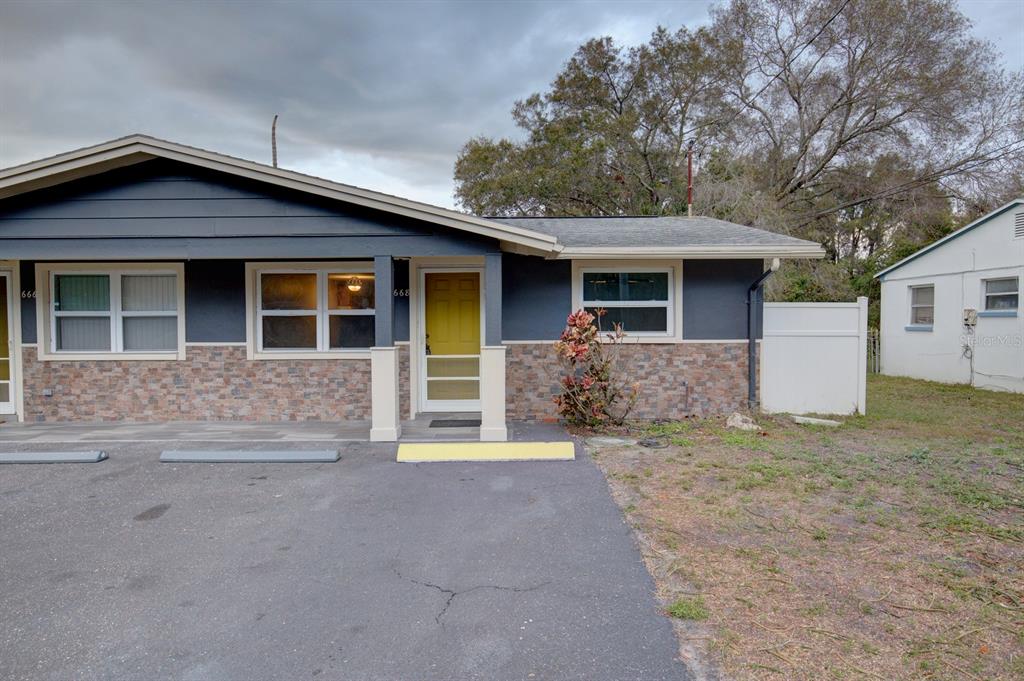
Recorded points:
(380, 95)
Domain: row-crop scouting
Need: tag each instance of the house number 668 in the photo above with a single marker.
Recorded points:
(401, 293)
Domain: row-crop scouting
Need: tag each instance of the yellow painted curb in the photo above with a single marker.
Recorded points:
(486, 451)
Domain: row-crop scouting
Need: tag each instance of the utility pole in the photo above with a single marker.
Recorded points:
(273, 141)
(689, 179)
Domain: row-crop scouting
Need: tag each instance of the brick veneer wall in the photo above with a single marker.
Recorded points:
(212, 383)
(715, 376)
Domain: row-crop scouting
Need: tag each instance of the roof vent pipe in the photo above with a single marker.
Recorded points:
(752, 309)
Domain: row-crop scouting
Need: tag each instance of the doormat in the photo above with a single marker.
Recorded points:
(455, 423)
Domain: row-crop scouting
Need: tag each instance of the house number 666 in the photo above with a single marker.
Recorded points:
(28, 294)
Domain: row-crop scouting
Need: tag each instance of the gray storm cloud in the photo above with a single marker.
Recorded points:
(378, 94)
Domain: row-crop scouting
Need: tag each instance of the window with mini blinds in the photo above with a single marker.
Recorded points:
(315, 310)
(922, 305)
(114, 311)
(1001, 294)
(638, 299)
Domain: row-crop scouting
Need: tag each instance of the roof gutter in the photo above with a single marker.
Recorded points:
(809, 251)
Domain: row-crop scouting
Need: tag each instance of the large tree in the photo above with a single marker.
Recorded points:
(859, 123)
(608, 138)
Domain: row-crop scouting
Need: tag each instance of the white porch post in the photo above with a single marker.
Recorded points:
(492, 357)
(385, 425)
(492, 394)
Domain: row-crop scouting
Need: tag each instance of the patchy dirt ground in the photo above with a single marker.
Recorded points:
(891, 547)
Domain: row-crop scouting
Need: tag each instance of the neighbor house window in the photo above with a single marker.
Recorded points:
(641, 300)
(114, 311)
(1001, 294)
(314, 310)
(922, 305)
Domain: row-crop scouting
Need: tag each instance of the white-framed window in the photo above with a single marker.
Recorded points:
(307, 309)
(641, 299)
(132, 310)
(1002, 295)
(922, 305)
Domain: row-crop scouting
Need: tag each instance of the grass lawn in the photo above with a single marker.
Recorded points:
(891, 547)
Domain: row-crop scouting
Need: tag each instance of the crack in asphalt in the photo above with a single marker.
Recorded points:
(451, 593)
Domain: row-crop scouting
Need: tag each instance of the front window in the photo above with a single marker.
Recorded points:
(124, 312)
(639, 300)
(922, 305)
(1001, 294)
(315, 310)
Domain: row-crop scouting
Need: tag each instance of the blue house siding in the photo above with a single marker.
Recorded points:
(536, 297)
(215, 301)
(164, 210)
(715, 298)
(28, 305)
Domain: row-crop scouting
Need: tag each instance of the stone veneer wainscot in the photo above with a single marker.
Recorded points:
(213, 383)
(715, 375)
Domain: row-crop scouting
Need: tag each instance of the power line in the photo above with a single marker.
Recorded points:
(778, 75)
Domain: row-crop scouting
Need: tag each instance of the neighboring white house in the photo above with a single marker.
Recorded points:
(952, 311)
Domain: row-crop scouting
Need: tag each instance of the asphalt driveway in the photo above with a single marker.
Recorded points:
(361, 569)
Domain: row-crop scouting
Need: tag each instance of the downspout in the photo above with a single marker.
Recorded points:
(752, 333)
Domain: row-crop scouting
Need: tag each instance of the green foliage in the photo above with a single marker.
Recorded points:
(863, 139)
(688, 608)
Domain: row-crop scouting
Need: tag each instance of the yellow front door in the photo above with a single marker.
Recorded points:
(452, 342)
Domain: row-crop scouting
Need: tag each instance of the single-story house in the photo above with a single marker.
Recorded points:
(951, 311)
(146, 280)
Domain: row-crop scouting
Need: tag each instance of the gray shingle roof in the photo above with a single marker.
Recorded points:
(668, 232)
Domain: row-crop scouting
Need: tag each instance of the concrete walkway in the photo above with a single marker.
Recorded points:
(418, 430)
(206, 431)
(360, 570)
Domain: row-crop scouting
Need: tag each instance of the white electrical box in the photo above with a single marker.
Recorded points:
(970, 317)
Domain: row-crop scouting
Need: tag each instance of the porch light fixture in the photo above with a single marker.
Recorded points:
(355, 284)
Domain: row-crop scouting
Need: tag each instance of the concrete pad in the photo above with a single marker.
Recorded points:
(486, 451)
(249, 456)
(53, 457)
(810, 421)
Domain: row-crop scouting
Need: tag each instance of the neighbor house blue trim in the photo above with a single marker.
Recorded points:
(997, 313)
(918, 327)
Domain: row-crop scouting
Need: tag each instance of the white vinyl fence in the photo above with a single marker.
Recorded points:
(814, 357)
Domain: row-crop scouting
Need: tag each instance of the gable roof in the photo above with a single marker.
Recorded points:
(592, 237)
(134, 149)
(949, 237)
(664, 236)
